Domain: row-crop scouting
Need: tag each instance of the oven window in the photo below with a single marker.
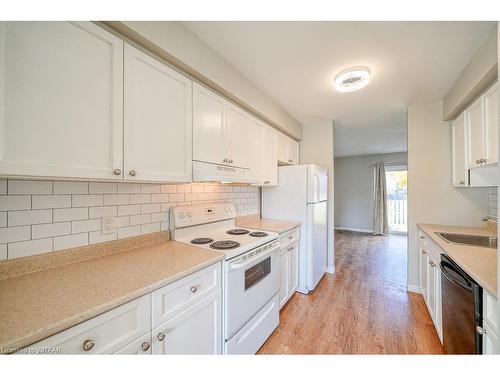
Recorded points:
(256, 273)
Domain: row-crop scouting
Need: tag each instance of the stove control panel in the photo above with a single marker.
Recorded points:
(187, 216)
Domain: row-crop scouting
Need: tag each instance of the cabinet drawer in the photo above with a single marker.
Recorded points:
(169, 300)
(291, 235)
(490, 310)
(140, 346)
(104, 334)
(434, 251)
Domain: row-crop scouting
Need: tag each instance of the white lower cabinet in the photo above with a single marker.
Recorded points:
(195, 330)
(490, 340)
(184, 317)
(289, 264)
(490, 324)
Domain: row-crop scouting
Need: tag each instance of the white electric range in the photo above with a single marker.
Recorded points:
(251, 273)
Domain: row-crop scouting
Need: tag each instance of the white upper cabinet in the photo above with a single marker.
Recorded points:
(460, 169)
(240, 137)
(287, 150)
(209, 126)
(157, 120)
(62, 90)
(474, 117)
(491, 125)
(266, 163)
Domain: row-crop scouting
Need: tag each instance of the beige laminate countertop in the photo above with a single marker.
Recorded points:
(39, 304)
(255, 222)
(479, 262)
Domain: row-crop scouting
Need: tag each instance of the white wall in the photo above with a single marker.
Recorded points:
(354, 189)
(317, 147)
(431, 196)
(479, 73)
(178, 45)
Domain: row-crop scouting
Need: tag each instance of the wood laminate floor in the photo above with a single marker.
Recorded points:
(363, 309)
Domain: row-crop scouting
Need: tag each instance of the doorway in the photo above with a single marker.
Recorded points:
(397, 198)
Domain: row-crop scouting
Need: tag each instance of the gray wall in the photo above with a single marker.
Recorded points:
(354, 189)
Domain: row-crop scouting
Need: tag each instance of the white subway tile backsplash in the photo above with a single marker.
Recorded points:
(103, 187)
(150, 208)
(72, 240)
(50, 201)
(87, 200)
(129, 231)
(71, 187)
(23, 187)
(129, 210)
(69, 215)
(140, 198)
(82, 226)
(116, 199)
(3, 252)
(95, 212)
(16, 218)
(98, 237)
(27, 248)
(11, 203)
(50, 230)
(14, 234)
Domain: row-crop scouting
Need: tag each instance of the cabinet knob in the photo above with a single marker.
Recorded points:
(225, 160)
(482, 161)
(230, 161)
(477, 162)
(160, 336)
(290, 160)
(132, 172)
(193, 289)
(88, 345)
(462, 182)
(432, 263)
(422, 237)
(267, 182)
(145, 346)
(117, 172)
(423, 252)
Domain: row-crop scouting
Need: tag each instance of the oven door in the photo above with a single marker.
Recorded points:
(252, 279)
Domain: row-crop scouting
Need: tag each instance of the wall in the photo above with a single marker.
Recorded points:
(431, 196)
(178, 45)
(317, 147)
(354, 189)
(43, 216)
(479, 73)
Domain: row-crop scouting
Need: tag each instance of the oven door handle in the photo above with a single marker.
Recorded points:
(237, 266)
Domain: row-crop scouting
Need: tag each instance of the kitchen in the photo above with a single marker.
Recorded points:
(159, 212)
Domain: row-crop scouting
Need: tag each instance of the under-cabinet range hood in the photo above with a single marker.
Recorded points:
(208, 172)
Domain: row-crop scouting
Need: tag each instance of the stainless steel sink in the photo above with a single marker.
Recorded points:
(466, 239)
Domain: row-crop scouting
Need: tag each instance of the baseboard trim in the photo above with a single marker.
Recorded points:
(413, 289)
(330, 270)
(354, 230)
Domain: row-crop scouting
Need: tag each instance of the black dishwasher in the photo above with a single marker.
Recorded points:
(462, 310)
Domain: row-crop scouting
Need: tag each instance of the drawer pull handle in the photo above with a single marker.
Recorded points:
(194, 289)
(132, 172)
(88, 345)
(423, 252)
(117, 172)
(422, 237)
(145, 346)
(432, 263)
(160, 336)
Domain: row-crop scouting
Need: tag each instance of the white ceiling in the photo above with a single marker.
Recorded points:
(295, 63)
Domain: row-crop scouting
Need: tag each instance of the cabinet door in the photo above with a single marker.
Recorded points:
(63, 100)
(460, 170)
(431, 288)
(474, 117)
(423, 273)
(209, 126)
(293, 151)
(282, 147)
(284, 275)
(491, 124)
(141, 346)
(490, 340)
(240, 137)
(438, 314)
(195, 330)
(293, 267)
(265, 163)
(157, 120)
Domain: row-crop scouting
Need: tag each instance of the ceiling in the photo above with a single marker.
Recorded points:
(295, 63)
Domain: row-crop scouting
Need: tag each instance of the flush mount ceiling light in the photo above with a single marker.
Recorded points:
(352, 79)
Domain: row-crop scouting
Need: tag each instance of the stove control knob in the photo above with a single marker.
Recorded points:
(182, 215)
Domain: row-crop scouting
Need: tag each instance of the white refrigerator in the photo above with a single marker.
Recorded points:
(301, 195)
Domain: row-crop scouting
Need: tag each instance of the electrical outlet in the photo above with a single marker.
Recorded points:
(107, 225)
